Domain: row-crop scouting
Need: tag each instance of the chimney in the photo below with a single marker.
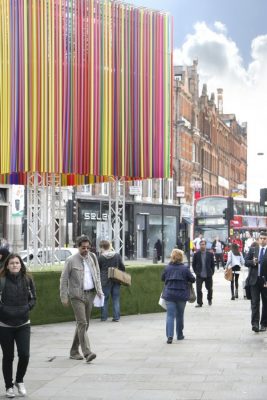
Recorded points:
(220, 100)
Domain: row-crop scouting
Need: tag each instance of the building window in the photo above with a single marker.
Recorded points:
(104, 188)
(170, 191)
(149, 189)
(87, 189)
(138, 197)
(194, 152)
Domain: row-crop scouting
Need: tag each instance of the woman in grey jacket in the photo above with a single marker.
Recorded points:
(176, 293)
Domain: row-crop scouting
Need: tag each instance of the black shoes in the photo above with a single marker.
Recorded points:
(90, 357)
(198, 305)
(255, 328)
(233, 298)
(210, 302)
(263, 328)
(169, 341)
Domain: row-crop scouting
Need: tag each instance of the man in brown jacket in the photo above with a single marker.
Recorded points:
(80, 283)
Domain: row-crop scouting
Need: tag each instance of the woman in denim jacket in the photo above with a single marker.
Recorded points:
(176, 293)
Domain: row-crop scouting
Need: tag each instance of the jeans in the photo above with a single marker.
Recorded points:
(8, 338)
(113, 289)
(175, 310)
(82, 310)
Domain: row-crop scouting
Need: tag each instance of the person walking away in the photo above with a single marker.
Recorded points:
(17, 298)
(158, 247)
(196, 242)
(4, 253)
(203, 266)
(80, 282)
(235, 260)
(109, 258)
(218, 247)
(256, 261)
(176, 293)
(238, 241)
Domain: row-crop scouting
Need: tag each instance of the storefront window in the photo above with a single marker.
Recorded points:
(155, 227)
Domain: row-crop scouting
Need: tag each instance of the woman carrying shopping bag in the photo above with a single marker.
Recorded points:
(176, 277)
(235, 260)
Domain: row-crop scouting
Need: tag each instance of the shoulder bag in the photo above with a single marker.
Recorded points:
(116, 275)
(192, 293)
(228, 273)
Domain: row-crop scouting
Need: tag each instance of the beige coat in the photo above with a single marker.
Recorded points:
(72, 277)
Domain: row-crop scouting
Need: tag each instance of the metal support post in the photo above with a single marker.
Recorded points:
(117, 215)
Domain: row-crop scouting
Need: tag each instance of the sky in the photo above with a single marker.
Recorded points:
(229, 40)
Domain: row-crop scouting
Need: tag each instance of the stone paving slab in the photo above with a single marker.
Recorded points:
(220, 358)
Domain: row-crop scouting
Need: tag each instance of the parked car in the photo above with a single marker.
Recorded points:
(45, 256)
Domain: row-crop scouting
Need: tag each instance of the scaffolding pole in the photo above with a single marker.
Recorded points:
(117, 215)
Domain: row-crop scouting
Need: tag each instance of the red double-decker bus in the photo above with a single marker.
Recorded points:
(209, 218)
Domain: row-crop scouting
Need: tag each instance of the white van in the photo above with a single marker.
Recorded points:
(45, 256)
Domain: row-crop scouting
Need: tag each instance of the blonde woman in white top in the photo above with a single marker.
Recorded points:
(235, 260)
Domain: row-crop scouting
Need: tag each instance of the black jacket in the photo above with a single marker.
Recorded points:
(106, 260)
(18, 298)
(253, 269)
(197, 263)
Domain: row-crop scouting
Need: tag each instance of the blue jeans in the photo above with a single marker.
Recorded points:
(175, 310)
(113, 289)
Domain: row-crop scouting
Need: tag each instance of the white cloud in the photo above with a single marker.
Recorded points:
(220, 65)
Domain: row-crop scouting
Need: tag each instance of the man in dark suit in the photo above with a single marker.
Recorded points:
(256, 261)
(203, 266)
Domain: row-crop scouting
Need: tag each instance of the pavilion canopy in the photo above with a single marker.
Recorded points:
(85, 90)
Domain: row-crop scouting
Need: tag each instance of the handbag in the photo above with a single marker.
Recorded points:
(192, 293)
(119, 276)
(162, 303)
(228, 274)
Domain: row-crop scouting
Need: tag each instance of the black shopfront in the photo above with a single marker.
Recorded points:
(143, 226)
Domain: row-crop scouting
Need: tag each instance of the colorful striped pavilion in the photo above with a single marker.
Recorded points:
(85, 94)
(85, 90)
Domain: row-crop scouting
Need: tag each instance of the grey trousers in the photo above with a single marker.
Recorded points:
(82, 310)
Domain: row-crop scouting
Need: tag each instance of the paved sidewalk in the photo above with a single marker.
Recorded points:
(220, 358)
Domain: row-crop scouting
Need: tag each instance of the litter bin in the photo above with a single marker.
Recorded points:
(155, 256)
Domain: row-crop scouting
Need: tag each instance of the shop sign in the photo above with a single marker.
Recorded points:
(196, 185)
(95, 216)
(179, 191)
(135, 190)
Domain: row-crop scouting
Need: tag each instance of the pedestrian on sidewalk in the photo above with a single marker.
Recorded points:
(176, 293)
(203, 266)
(235, 260)
(256, 261)
(80, 282)
(109, 258)
(17, 298)
(218, 247)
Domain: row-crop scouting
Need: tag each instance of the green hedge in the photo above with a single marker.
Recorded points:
(141, 298)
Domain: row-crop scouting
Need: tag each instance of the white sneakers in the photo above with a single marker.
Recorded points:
(21, 388)
(10, 393)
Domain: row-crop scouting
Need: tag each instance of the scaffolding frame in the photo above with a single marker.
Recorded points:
(44, 218)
